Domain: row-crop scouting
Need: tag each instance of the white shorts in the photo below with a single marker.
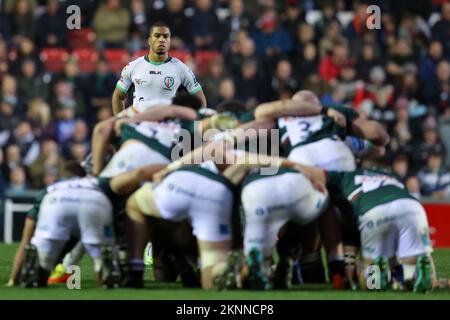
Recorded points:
(83, 212)
(398, 228)
(327, 154)
(207, 203)
(272, 201)
(131, 156)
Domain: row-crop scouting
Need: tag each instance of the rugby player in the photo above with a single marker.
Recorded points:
(155, 75)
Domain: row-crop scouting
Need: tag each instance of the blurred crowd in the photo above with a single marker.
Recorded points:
(263, 50)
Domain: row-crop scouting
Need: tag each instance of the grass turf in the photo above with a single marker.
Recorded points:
(174, 291)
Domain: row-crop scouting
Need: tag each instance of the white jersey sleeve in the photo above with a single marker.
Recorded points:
(125, 80)
(189, 80)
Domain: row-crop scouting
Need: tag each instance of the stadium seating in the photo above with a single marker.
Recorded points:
(54, 59)
(81, 38)
(116, 59)
(202, 59)
(86, 59)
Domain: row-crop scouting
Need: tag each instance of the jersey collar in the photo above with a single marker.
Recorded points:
(156, 63)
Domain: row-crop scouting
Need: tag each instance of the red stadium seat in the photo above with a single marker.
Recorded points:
(81, 38)
(86, 59)
(179, 54)
(139, 53)
(202, 59)
(116, 58)
(54, 59)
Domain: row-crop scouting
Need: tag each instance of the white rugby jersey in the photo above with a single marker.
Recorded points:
(156, 80)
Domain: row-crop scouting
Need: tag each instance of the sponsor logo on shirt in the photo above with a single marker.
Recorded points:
(169, 82)
(155, 72)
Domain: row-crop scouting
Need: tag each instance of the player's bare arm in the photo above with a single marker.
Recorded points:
(118, 101)
(370, 130)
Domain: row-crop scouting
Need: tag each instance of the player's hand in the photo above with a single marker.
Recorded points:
(338, 117)
(118, 125)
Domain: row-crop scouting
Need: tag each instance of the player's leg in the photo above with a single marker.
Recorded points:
(266, 209)
(414, 246)
(55, 224)
(95, 222)
(378, 245)
(101, 138)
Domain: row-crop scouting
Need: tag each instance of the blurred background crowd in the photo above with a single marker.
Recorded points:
(56, 83)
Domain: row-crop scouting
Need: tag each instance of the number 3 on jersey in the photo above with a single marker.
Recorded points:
(298, 129)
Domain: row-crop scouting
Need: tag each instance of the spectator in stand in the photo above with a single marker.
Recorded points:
(78, 152)
(9, 119)
(173, 14)
(98, 88)
(216, 73)
(440, 31)
(49, 157)
(65, 94)
(400, 167)
(436, 92)
(366, 62)
(444, 132)
(205, 26)
(431, 144)
(331, 38)
(283, 80)
(40, 118)
(12, 160)
(249, 87)
(26, 51)
(400, 60)
(413, 186)
(271, 41)
(30, 85)
(330, 66)
(305, 36)
(237, 20)
(9, 94)
(52, 26)
(22, 20)
(139, 25)
(307, 64)
(111, 23)
(328, 17)
(17, 179)
(378, 94)
(241, 49)
(227, 91)
(428, 64)
(4, 60)
(24, 138)
(293, 17)
(80, 136)
(434, 178)
(65, 123)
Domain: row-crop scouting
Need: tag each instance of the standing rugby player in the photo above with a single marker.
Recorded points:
(155, 75)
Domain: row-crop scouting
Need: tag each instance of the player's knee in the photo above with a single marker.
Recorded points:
(133, 211)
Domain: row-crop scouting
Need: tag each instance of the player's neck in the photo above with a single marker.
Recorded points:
(156, 58)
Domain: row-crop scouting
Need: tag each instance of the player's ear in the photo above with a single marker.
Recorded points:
(149, 41)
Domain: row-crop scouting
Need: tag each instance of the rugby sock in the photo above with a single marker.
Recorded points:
(312, 268)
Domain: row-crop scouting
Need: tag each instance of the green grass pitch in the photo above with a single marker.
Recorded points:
(174, 291)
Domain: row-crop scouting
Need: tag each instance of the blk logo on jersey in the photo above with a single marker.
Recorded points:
(155, 72)
(169, 82)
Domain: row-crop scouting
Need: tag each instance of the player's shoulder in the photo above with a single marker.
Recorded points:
(176, 62)
(132, 64)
